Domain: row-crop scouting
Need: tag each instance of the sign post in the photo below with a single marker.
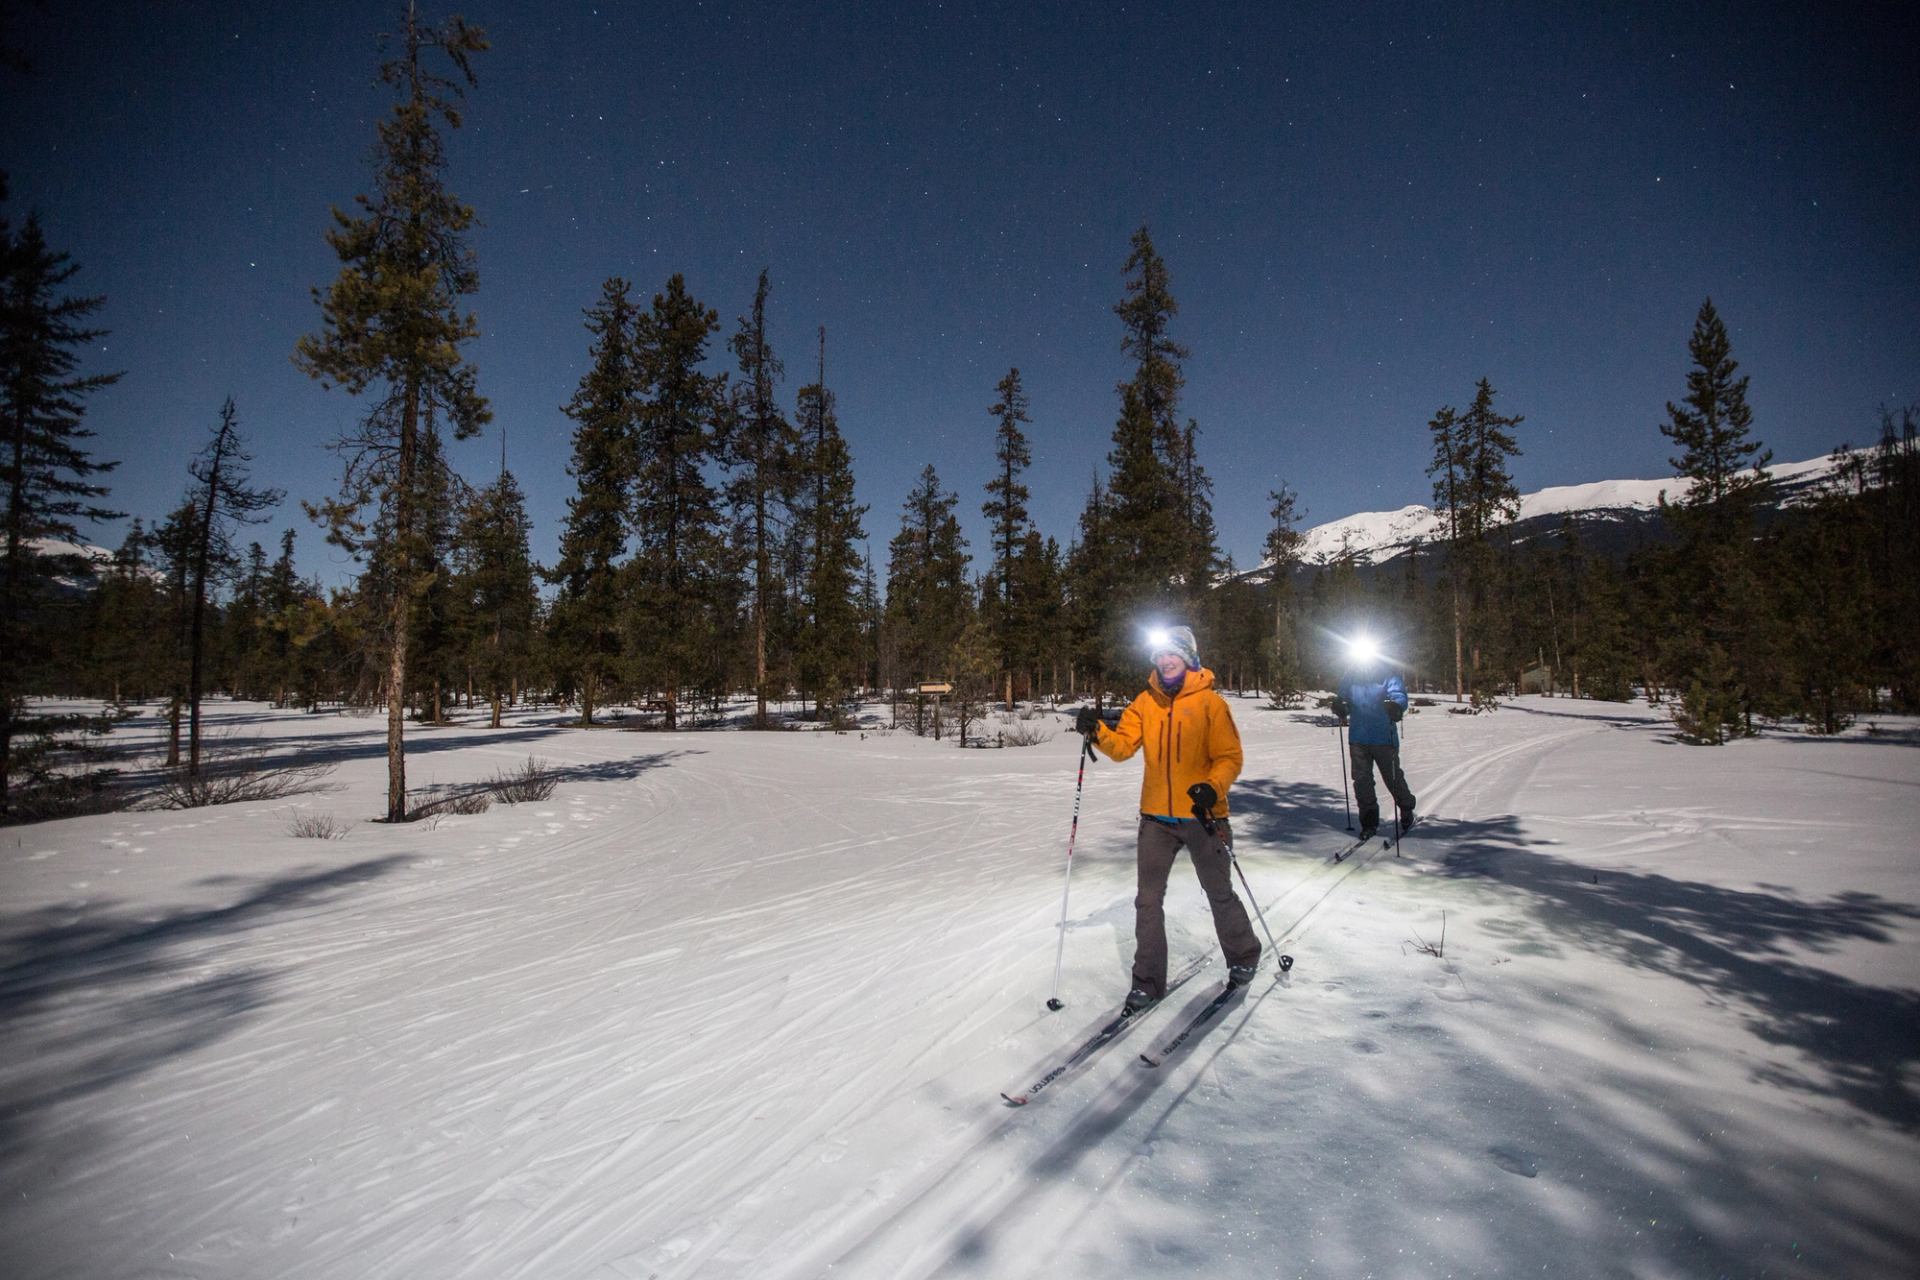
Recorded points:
(935, 688)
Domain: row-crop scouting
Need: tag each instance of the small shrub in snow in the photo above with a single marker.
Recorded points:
(1437, 950)
(442, 801)
(237, 777)
(316, 826)
(532, 781)
(1015, 732)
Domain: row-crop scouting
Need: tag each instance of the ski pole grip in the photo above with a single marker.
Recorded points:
(1206, 819)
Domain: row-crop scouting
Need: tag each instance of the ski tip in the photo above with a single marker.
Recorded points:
(1145, 1061)
(1013, 1101)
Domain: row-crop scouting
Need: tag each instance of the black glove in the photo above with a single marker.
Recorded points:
(1087, 721)
(1204, 797)
(1338, 705)
(1393, 709)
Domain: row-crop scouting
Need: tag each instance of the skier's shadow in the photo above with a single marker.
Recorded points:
(1119, 1101)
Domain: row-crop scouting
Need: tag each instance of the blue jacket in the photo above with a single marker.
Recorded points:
(1367, 716)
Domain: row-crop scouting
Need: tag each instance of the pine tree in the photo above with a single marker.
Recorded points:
(48, 473)
(1475, 491)
(497, 592)
(585, 622)
(1093, 568)
(282, 602)
(929, 601)
(680, 576)
(127, 613)
(173, 544)
(392, 320)
(1282, 553)
(222, 495)
(760, 447)
(1006, 513)
(1143, 486)
(831, 652)
(1203, 561)
(1446, 469)
(1710, 426)
(1719, 639)
(1151, 530)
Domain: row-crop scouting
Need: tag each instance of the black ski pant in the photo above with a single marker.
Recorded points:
(1159, 848)
(1364, 757)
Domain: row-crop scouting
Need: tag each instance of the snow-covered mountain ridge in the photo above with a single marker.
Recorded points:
(1371, 537)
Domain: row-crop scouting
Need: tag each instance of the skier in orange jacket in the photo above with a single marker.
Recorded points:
(1192, 757)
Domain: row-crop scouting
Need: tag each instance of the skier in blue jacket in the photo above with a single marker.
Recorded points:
(1374, 699)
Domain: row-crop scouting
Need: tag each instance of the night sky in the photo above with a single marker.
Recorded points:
(1364, 209)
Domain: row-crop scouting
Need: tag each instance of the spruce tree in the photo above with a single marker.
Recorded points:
(392, 321)
(499, 602)
(1710, 426)
(1151, 531)
(1474, 491)
(584, 626)
(1093, 582)
(1719, 639)
(760, 446)
(49, 475)
(127, 614)
(1282, 553)
(1148, 508)
(831, 651)
(222, 495)
(681, 582)
(929, 600)
(1006, 513)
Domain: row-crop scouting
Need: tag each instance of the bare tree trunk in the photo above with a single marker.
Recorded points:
(402, 608)
(1459, 660)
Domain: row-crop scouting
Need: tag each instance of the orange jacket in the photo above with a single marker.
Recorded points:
(1189, 737)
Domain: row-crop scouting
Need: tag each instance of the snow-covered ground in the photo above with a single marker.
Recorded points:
(736, 1004)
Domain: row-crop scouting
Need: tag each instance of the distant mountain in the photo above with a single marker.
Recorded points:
(99, 557)
(1611, 516)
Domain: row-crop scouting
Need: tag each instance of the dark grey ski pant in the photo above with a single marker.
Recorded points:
(1160, 845)
(1364, 756)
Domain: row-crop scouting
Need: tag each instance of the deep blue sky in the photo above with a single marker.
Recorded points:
(1365, 208)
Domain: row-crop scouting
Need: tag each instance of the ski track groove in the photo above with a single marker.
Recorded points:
(1028, 1204)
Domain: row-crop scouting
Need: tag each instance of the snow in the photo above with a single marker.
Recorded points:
(1374, 536)
(737, 1004)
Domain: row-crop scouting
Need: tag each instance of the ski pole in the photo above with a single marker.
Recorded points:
(1346, 798)
(1206, 820)
(1400, 772)
(1060, 952)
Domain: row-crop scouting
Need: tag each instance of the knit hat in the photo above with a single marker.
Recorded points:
(1176, 640)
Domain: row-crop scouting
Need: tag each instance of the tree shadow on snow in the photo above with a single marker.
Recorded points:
(1734, 944)
(91, 997)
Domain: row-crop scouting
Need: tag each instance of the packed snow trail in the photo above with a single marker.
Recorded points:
(738, 1004)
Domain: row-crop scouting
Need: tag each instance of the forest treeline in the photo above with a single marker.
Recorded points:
(713, 546)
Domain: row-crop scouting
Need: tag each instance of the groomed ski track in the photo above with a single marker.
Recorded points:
(742, 1004)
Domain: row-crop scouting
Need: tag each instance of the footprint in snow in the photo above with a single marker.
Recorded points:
(1515, 1160)
(1366, 1046)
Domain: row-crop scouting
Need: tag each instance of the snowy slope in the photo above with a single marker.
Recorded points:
(741, 1005)
(1373, 536)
